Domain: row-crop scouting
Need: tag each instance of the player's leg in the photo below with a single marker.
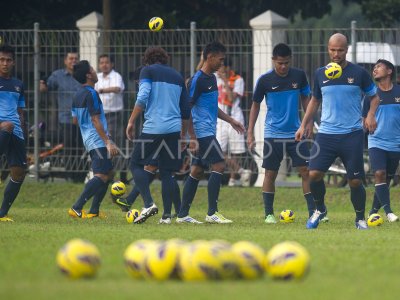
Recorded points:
(6, 131)
(299, 153)
(351, 153)
(391, 167)
(176, 200)
(16, 158)
(378, 161)
(143, 152)
(272, 158)
(236, 150)
(322, 154)
(211, 153)
(189, 191)
(103, 169)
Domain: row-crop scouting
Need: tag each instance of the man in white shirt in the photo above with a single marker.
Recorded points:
(230, 93)
(110, 87)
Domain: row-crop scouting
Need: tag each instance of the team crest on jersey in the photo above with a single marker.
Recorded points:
(350, 80)
(17, 88)
(397, 99)
(294, 85)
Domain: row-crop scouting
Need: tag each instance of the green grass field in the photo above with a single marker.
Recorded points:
(345, 263)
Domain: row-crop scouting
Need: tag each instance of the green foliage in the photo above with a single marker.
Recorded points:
(345, 263)
(382, 13)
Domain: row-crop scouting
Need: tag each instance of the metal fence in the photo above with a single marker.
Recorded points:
(127, 48)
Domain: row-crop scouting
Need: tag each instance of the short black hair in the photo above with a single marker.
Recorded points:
(81, 69)
(281, 50)
(388, 65)
(154, 55)
(5, 48)
(214, 47)
(107, 56)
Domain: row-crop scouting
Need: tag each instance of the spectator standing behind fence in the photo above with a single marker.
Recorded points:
(230, 93)
(87, 110)
(62, 82)
(12, 143)
(341, 132)
(110, 87)
(384, 143)
(283, 88)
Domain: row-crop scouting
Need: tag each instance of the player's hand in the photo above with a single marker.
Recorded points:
(183, 142)
(370, 123)
(309, 130)
(193, 145)
(251, 141)
(112, 148)
(130, 131)
(299, 134)
(238, 126)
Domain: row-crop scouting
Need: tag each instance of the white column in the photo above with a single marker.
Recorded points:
(267, 32)
(90, 37)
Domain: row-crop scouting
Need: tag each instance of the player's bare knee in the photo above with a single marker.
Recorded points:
(355, 182)
(196, 172)
(17, 174)
(270, 176)
(380, 176)
(102, 177)
(151, 168)
(218, 167)
(7, 126)
(315, 175)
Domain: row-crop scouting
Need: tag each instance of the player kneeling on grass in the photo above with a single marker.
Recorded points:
(87, 110)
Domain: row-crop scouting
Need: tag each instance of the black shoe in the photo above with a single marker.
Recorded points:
(121, 202)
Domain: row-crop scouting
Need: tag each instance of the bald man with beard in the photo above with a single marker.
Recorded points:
(341, 131)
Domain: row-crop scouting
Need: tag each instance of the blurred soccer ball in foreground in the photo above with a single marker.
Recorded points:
(287, 260)
(78, 258)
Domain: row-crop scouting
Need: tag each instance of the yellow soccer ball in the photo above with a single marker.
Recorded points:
(161, 260)
(251, 259)
(287, 260)
(188, 268)
(156, 24)
(131, 215)
(333, 70)
(287, 216)
(134, 257)
(375, 220)
(118, 189)
(78, 258)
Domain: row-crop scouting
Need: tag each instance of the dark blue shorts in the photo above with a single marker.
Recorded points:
(161, 148)
(384, 160)
(16, 152)
(274, 150)
(209, 152)
(348, 147)
(101, 163)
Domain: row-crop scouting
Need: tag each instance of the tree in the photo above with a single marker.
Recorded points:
(382, 13)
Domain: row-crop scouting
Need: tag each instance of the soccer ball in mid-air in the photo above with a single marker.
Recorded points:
(156, 24)
(131, 215)
(118, 189)
(333, 70)
(287, 260)
(375, 220)
(78, 258)
(286, 216)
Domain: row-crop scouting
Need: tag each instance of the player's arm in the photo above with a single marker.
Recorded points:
(370, 121)
(130, 128)
(235, 124)
(305, 100)
(111, 148)
(22, 120)
(312, 108)
(253, 116)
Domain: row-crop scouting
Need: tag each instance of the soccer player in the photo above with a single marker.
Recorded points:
(283, 88)
(204, 98)
(163, 98)
(87, 110)
(341, 132)
(384, 143)
(12, 143)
